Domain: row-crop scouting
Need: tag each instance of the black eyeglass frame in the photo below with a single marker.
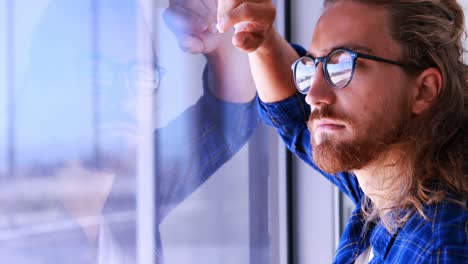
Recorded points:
(324, 60)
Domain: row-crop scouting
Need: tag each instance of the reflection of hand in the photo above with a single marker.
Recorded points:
(194, 24)
(253, 20)
(83, 192)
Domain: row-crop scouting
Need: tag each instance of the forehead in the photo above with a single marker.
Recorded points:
(350, 24)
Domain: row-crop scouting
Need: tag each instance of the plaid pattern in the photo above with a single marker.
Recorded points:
(440, 239)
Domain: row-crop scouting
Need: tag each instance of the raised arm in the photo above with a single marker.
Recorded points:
(270, 55)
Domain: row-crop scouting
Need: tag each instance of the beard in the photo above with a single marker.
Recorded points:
(374, 140)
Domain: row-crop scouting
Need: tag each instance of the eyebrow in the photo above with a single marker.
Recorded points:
(353, 47)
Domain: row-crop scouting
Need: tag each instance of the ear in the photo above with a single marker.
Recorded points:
(427, 90)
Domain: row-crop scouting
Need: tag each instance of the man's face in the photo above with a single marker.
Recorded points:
(352, 126)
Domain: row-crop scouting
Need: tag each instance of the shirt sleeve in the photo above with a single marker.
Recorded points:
(290, 117)
(197, 143)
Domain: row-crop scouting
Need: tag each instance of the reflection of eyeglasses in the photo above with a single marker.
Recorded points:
(138, 75)
(338, 68)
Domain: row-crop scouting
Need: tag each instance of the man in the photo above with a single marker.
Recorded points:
(76, 140)
(378, 105)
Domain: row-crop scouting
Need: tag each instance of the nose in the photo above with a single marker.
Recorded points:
(320, 92)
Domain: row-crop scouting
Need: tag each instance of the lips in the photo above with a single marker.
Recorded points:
(327, 125)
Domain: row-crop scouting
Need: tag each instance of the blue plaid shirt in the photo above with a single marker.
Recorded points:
(440, 239)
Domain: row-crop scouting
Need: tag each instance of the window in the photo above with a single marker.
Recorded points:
(113, 148)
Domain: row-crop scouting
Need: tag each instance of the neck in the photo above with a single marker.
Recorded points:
(382, 179)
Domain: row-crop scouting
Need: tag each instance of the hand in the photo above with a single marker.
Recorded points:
(83, 191)
(194, 24)
(252, 19)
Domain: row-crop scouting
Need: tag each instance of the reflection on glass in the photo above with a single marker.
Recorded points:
(72, 197)
(81, 74)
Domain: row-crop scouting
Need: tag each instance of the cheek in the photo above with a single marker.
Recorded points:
(376, 96)
(383, 118)
(368, 109)
(373, 105)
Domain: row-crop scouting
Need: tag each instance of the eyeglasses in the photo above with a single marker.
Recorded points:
(338, 68)
(145, 76)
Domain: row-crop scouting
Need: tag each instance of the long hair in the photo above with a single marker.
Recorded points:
(436, 143)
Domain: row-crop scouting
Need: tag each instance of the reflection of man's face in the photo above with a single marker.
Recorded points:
(85, 102)
(122, 66)
(351, 127)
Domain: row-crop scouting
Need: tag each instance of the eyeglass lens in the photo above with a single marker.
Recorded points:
(304, 74)
(338, 70)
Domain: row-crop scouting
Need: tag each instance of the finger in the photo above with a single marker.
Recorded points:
(261, 14)
(211, 6)
(179, 20)
(203, 8)
(242, 26)
(224, 6)
(192, 44)
(247, 41)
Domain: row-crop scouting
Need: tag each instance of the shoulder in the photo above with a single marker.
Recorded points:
(441, 238)
(446, 224)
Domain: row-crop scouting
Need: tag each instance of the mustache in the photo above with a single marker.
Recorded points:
(327, 112)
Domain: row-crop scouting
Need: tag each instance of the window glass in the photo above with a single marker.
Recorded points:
(121, 142)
